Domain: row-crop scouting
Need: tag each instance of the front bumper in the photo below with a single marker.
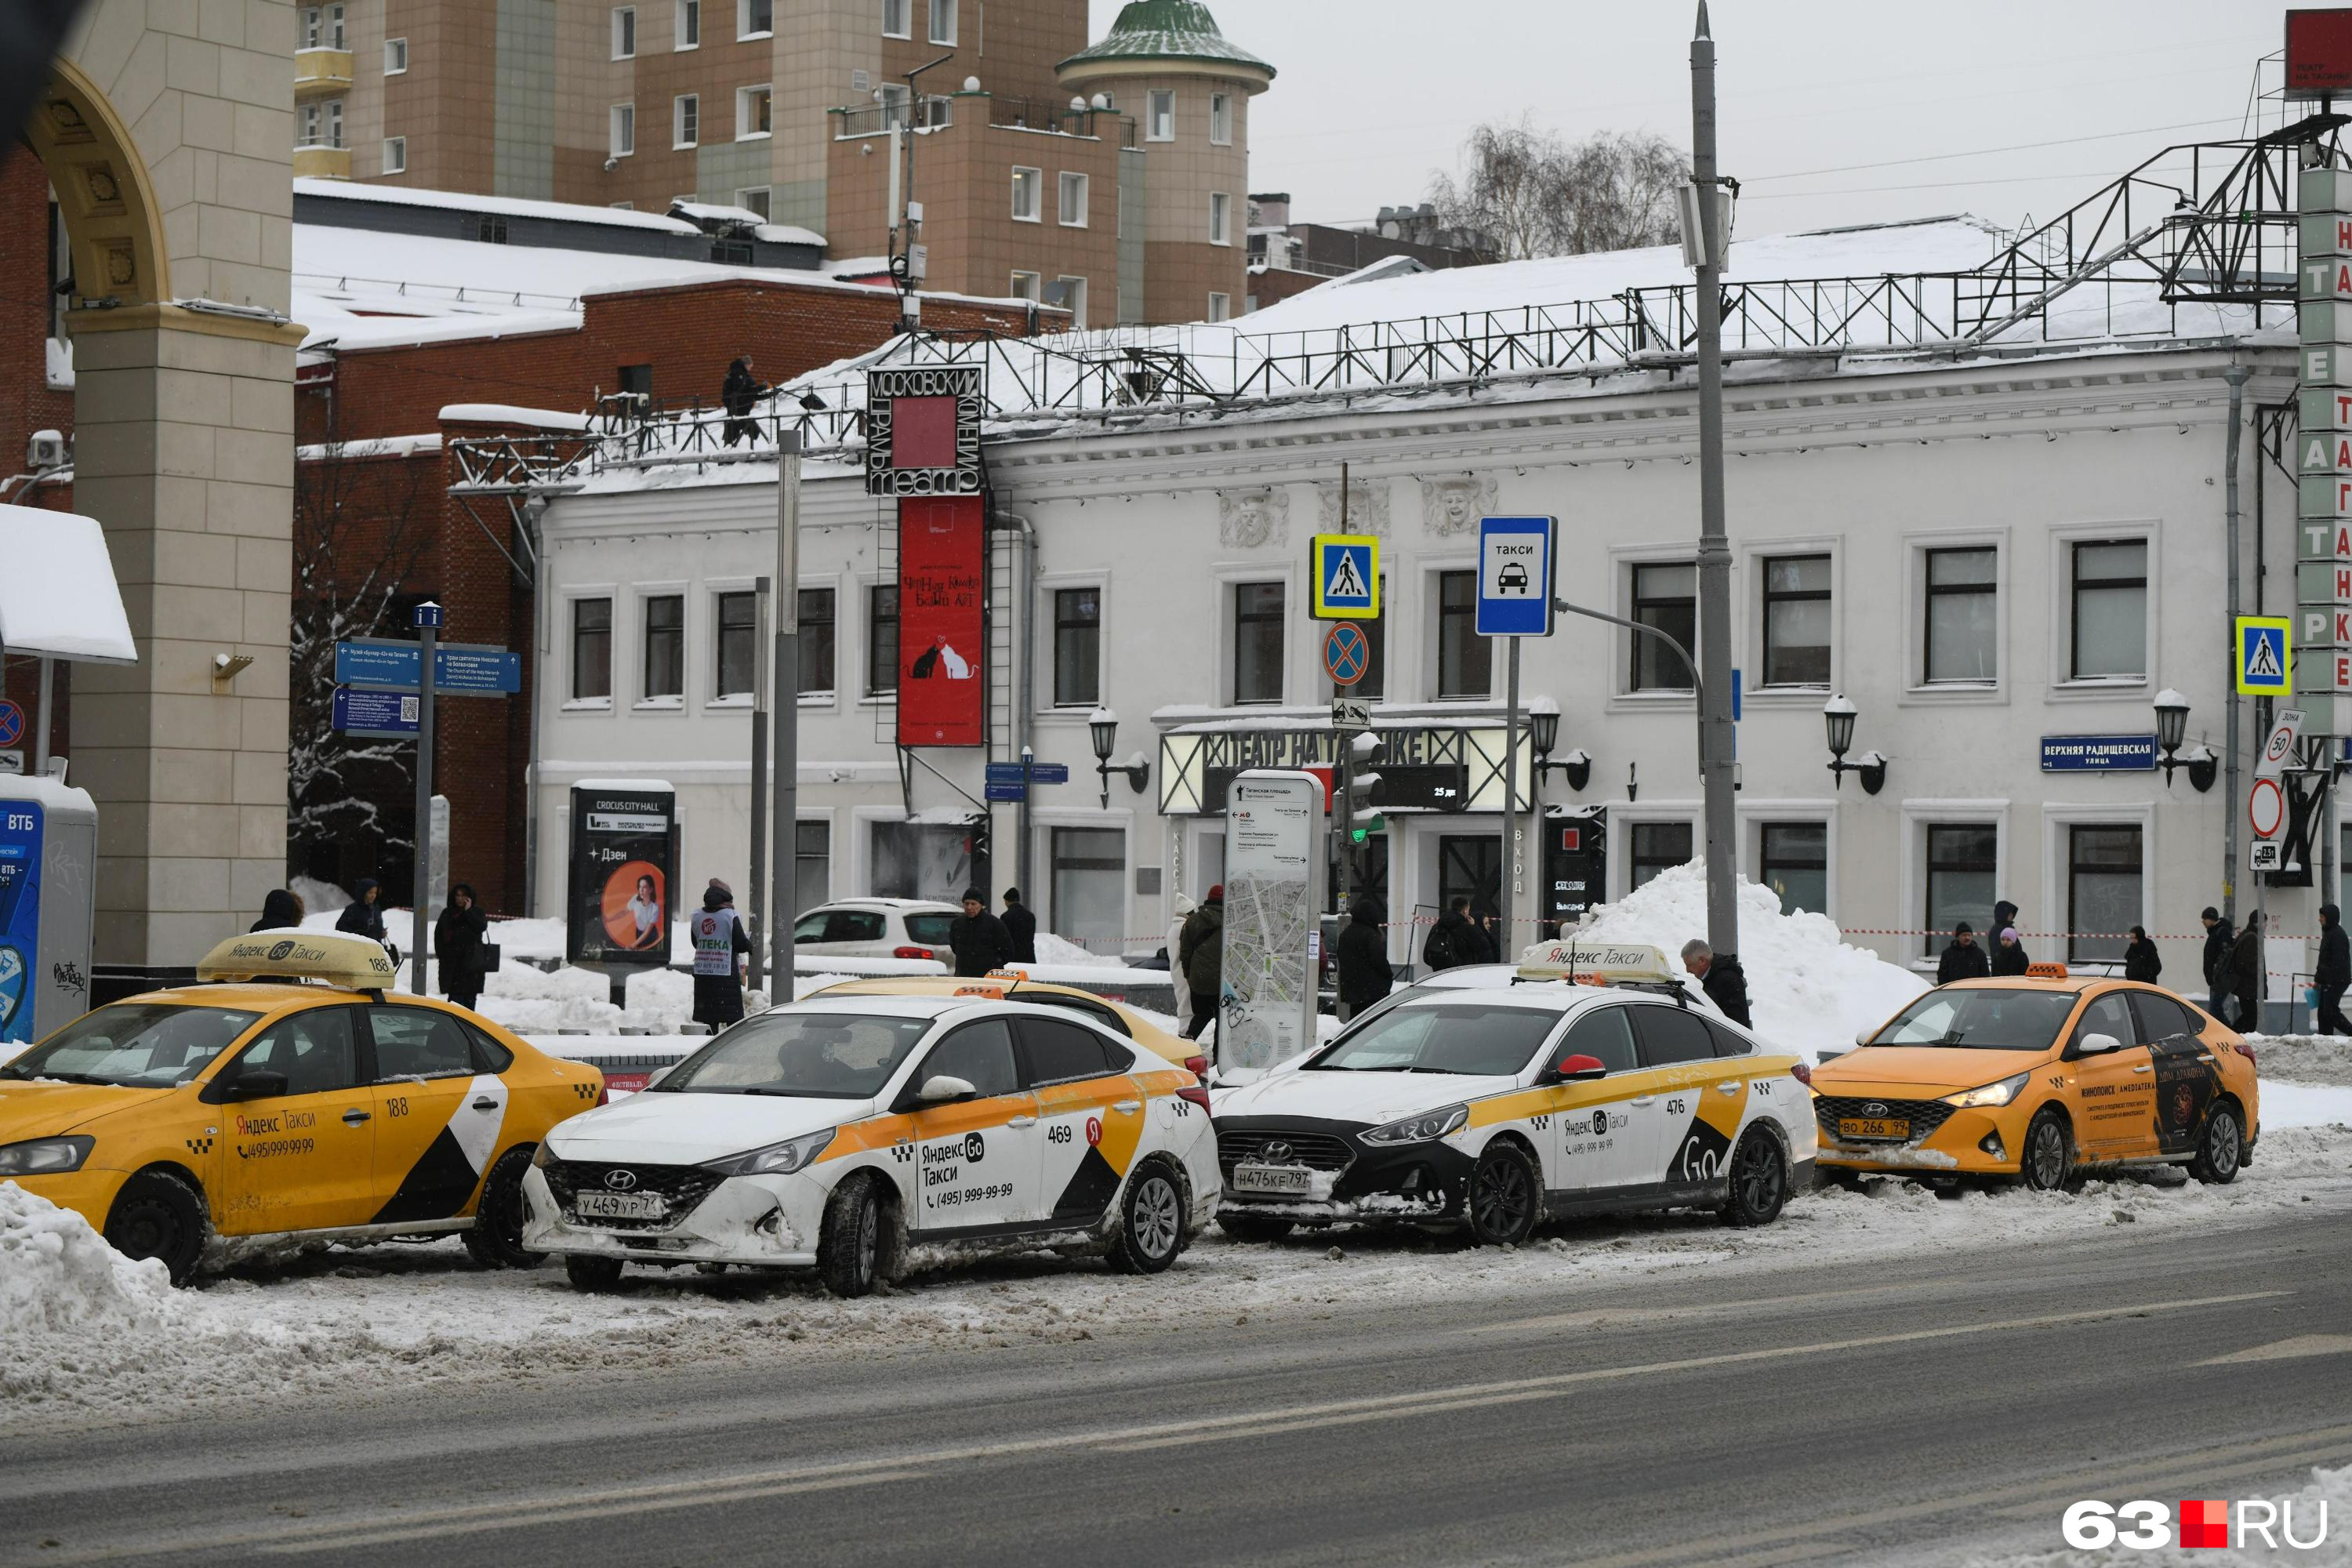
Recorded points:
(1972, 1142)
(770, 1221)
(89, 1192)
(1424, 1181)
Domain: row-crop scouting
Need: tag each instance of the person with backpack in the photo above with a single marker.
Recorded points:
(1200, 954)
(1456, 940)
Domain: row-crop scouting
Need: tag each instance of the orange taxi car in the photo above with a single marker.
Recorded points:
(2039, 1078)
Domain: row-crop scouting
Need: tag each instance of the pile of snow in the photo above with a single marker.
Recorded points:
(1808, 990)
(59, 1278)
(2305, 1058)
(532, 1002)
(1051, 949)
(322, 902)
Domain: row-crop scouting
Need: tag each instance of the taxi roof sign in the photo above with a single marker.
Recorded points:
(346, 963)
(1599, 964)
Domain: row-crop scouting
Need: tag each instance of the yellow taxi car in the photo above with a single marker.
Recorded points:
(285, 1099)
(2041, 1077)
(1002, 984)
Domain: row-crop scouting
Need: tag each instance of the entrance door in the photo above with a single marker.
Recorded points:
(1471, 866)
(976, 1161)
(302, 1159)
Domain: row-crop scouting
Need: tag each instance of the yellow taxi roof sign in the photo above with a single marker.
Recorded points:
(2045, 972)
(1598, 963)
(349, 962)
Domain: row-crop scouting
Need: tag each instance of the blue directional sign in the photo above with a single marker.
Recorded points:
(386, 713)
(1515, 575)
(1042, 773)
(1006, 790)
(460, 669)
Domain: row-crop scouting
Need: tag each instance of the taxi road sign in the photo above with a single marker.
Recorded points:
(2265, 658)
(1347, 653)
(1346, 580)
(1515, 575)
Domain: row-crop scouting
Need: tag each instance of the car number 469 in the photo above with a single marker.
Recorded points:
(1058, 1133)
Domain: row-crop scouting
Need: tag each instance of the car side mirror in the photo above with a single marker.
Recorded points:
(1579, 1068)
(944, 1091)
(1864, 1037)
(257, 1083)
(2096, 1044)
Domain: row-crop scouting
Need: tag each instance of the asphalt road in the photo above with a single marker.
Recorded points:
(1959, 1400)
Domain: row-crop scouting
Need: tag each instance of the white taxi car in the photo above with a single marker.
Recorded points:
(1492, 1109)
(862, 1135)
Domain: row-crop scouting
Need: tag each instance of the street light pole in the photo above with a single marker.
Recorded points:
(1714, 697)
(784, 878)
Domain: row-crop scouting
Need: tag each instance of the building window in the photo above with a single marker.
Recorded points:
(1077, 648)
(1797, 620)
(943, 21)
(687, 27)
(1221, 308)
(882, 639)
(1658, 846)
(1220, 218)
(894, 100)
(1961, 624)
(1221, 119)
(1027, 286)
(1962, 860)
(665, 668)
(625, 32)
(1070, 293)
(395, 154)
(592, 649)
(1257, 642)
(1027, 184)
(1466, 661)
(625, 130)
(752, 112)
(754, 18)
(1796, 865)
(895, 19)
(686, 119)
(322, 125)
(816, 642)
(395, 56)
(752, 199)
(812, 863)
(1074, 200)
(1089, 904)
(1159, 119)
(2103, 890)
(2111, 610)
(490, 228)
(322, 27)
(1666, 597)
(637, 381)
(739, 643)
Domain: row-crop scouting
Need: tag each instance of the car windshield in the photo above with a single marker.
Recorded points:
(134, 1045)
(929, 929)
(1465, 1038)
(816, 1055)
(1985, 1020)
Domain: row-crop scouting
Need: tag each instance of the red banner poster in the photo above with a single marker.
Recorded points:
(943, 622)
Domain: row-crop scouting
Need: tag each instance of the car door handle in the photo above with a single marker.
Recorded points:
(1731, 1088)
(2143, 1068)
(1023, 1121)
(1646, 1099)
(485, 1103)
(1127, 1107)
(353, 1118)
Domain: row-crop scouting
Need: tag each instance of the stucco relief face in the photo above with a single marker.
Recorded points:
(1454, 506)
(1248, 518)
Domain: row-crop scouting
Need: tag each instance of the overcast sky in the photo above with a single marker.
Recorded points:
(1374, 95)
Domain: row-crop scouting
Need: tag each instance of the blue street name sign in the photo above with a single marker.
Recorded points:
(386, 713)
(460, 669)
(1043, 773)
(2099, 753)
(1005, 791)
(1515, 575)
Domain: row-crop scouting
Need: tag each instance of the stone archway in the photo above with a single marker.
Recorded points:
(167, 132)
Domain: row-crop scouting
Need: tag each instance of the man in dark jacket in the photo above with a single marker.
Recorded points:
(361, 917)
(1200, 959)
(2334, 972)
(279, 910)
(1720, 976)
(979, 939)
(2004, 917)
(1456, 940)
(1021, 926)
(459, 938)
(1362, 950)
(2218, 938)
(740, 392)
(1963, 960)
(2141, 960)
(2246, 974)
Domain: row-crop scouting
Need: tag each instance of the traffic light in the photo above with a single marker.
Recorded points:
(1357, 816)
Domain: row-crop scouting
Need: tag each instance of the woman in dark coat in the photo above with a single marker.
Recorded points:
(1361, 947)
(719, 944)
(2246, 974)
(459, 938)
(2009, 956)
(2140, 962)
(361, 917)
(279, 910)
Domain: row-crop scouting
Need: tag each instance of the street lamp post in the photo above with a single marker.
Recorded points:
(1714, 734)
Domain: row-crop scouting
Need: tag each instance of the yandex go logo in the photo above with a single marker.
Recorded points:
(2144, 1526)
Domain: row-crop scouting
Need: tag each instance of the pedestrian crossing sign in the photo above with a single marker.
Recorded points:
(1347, 576)
(2265, 658)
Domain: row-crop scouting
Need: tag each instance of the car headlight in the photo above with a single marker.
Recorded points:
(44, 1156)
(1421, 1129)
(2000, 1093)
(542, 1157)
(776, 1159)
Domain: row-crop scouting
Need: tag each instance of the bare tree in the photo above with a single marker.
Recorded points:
(1526, 193)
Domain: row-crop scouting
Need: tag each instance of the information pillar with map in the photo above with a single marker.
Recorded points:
(1274, 870)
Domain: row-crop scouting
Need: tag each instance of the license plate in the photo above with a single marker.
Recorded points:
(1272, 1179)
(1874, 1128)
(620, 1205)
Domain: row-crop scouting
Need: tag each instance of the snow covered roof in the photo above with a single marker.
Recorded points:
(506, 206)
(703, 213)
(58, 595)
(1166, 30)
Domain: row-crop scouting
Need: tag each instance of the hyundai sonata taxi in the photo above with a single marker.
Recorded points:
(998, 984)
(1493, 1109)
(861, 1136)
(2040, 1078)
(284, 1098)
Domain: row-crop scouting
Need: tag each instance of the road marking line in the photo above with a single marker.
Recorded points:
(1606, 1316)
(2287, 1349)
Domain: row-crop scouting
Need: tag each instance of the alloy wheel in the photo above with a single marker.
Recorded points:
(1155, 1216)
(1502, 1198)
(1759, 1176)
(2048, 1155)
(2222, 1146)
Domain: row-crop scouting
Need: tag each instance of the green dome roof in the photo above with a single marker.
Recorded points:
(1166, 30)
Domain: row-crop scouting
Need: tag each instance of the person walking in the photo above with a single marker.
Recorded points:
(1180, 913)
(740, 393)
(1021, 926)
(719, 944)
(2334, 972)
(1200, 954)
(2004, 917)
(2141, 960)
(1963, 959)
(979, 939)
(459, 937)
(2247, 974)
(281, 910)
(1720, 976)
(1456, 940)
(2218, 938)
(1363, 954)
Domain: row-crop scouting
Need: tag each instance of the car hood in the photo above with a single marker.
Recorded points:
(1370, 1098)
(1919, 1072)
(34, 1110)
(658, 1128)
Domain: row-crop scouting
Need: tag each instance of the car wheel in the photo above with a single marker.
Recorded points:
(2046, 1165)
(2222, 1150)
(158, 1215)
(1151, 1222)
(592, 1274)
(495, 1240)
(1760, 1180)
(1255, 1226)
(1505, 1196)
(849, 1245)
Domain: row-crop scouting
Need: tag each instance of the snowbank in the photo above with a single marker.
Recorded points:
(2305, 1058)
(1808, 990)
(1051, 949)
(322, 902)
(59, 1278)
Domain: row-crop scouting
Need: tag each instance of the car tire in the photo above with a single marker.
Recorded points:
(496, 1240)
(850, 1245)
(1759, 1181)
(591, 1274)
(2220, 1147)
(159, 1215)
(1506, 1197)
(1151, 1221)
(2046, 1163)
(1255, 1226)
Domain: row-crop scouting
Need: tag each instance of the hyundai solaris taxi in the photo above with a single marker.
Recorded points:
(285, 1099)
(1491, 1110)
(1129, 1023)
(863, 1136)
(2044, 1079)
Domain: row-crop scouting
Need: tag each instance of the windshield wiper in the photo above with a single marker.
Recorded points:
(777, 1093)
(71, 1078)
